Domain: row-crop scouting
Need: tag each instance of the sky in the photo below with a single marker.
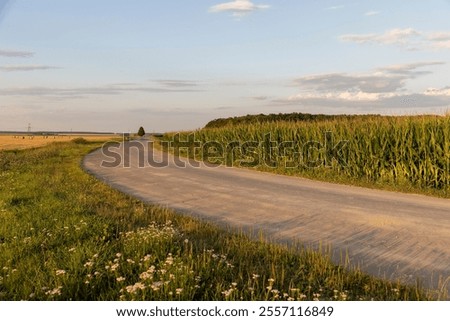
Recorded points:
(110, 65)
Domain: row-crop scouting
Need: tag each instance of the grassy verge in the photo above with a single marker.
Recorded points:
(66, 236)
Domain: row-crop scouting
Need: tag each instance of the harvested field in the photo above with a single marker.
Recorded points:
(21, 141)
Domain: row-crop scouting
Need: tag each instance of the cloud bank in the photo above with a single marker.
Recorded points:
(174, 83)
(83, 92)
(383, 88)
(11, 68)
(15, 54)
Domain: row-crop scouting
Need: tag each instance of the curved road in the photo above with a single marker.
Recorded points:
(387, 234)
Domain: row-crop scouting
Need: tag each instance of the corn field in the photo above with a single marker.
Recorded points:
(412, 152)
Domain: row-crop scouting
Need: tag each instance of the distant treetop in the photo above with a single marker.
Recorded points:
(292, 117)
(141, 131)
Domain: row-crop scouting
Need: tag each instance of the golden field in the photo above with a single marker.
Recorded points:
(10, 142)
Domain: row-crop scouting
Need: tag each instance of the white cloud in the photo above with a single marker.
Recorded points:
(335, 7)
(15, 53)
(238, 8)
(372, 13)
(394, 36)
(343, 96)
(407, 38)
(439, 36)
(11, 68)
(410, 70)
(438, 40)
(438, 91)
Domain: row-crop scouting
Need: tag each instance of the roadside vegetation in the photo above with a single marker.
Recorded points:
(64, 235)
(407, 154)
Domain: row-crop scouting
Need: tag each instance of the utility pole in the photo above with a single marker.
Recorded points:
(29, 128)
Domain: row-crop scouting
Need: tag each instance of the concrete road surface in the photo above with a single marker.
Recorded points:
(387, 234)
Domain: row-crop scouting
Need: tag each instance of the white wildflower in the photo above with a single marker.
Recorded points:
(54, 292)
(88, 264)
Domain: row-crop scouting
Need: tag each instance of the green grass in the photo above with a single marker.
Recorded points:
(66, 236)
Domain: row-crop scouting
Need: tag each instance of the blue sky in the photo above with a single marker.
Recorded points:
(173, 65)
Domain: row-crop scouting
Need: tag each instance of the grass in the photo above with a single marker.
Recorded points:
(66, 236)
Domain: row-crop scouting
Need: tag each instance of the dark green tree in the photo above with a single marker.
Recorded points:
(141, 131)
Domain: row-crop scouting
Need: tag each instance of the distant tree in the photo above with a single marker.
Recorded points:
(141, 131)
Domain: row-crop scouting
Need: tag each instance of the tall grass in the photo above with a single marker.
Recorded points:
(66, 236)
(401, 153)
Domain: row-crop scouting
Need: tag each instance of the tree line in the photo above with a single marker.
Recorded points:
(292, 117)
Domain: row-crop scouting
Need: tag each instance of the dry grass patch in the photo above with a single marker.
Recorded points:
(12, 142)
